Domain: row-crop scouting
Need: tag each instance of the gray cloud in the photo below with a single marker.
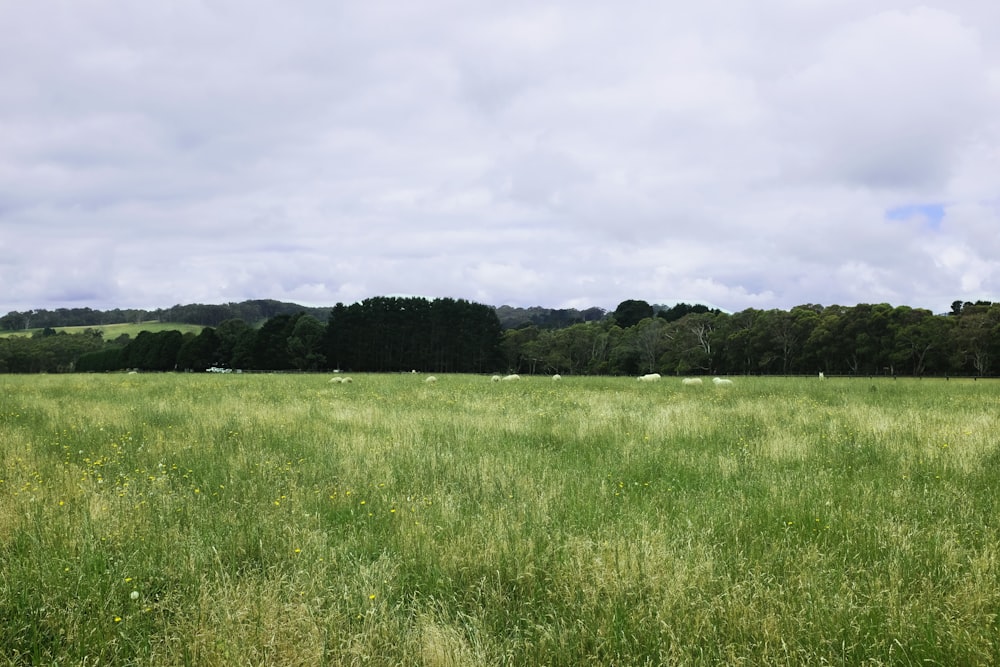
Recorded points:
(559, 154)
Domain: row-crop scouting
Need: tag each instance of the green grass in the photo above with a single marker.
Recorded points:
(112, 331)
(284, 520)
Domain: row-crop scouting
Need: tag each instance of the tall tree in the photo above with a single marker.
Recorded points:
(235, 344)
(632, 311)
(198, 352)
(976, 340)
(651, 337)
(154, 351)
(305, 345)
(270, 347)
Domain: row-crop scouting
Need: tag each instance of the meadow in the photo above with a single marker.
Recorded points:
(172, 519)
(112, 331)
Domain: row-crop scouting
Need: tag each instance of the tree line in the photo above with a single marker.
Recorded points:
(380, 334)
(390, 334)
(866, 339)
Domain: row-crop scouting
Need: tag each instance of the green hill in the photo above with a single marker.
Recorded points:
(112, 331)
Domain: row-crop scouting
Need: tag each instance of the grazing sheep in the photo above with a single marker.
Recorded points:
(431, 379)
(649, 377)
(336, 380)
(720, 382)
(557, 377)
(510, 378)
(821, 376)
(347, 380)
(495, 378)
(691, 382)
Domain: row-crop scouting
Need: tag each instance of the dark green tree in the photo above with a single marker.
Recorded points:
(198, 352)
(101, 361)
(270, 345)
(305, 345)
(154, 351)
(235, 344)
(632, 311)
(515, 351)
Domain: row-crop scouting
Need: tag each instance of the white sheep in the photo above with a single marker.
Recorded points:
(649, 377)
(721, 382)
(431, 379)
(821, 376)
(336, 380)
(557, 377)
(510, 378)
(347, 380)
(495, 378)
(691, 382)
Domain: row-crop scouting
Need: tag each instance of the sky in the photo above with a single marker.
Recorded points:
(564, 154)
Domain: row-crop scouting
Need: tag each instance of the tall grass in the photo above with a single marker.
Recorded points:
(283, 520)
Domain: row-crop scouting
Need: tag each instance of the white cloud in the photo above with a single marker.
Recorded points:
(743, 154)
(888, 101)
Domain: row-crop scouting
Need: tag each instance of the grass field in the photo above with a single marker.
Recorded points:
(112, 331)
(283, 520)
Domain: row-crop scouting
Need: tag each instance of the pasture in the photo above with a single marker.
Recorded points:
(286, 520)
(112, 331)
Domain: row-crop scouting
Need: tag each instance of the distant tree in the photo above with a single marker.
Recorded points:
(546, 318)
(631, 312)
(959, 308)
(623, 358)
(516, 353)
(101, 361)
(739, 354)
(679, 310)
(10, 322)
(976, 340)
(270, 346)
(15, 321)
(393, 334)
(584, 347)
(154, 351)
(695, 344)
(339, 338)
(198, 352)
(236, 340)
(305, 345)
(651, 338)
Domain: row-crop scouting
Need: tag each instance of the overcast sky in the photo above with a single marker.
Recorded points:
(740, 153)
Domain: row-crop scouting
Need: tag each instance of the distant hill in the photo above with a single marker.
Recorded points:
(252, 312)
(112, 331)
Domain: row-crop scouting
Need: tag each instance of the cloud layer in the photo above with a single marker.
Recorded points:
(566, 154)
